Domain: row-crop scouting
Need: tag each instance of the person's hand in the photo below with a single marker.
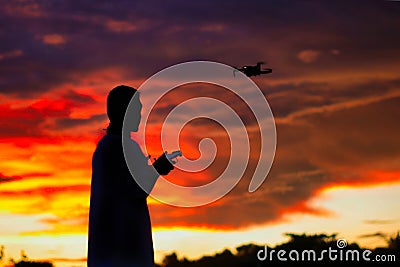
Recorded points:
(162, 165)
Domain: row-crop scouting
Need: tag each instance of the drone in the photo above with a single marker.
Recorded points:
(253, 70)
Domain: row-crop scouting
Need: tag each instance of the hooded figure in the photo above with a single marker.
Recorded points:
(119, 222)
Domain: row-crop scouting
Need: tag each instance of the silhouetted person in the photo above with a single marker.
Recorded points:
(119, 221)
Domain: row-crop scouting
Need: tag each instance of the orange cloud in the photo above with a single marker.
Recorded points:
(120, 26)
(370, 179)
(11, 54)
(53, 39)
(306, 162)
(308, 56)
(23, 8)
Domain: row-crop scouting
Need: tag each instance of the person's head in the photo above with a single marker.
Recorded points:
(118, 100)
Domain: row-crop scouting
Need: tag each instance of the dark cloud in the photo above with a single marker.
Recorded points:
(4, 178)
(344, 147)
(376, 234)
(380, 221)
(71, 123)
(166, 33)
(78, 99)
(288, 98)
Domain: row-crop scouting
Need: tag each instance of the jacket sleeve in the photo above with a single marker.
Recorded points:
(140, 177)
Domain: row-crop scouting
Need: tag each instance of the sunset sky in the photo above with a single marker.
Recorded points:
(334, 93)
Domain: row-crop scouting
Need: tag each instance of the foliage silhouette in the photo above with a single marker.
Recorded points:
(23, 262)
(33, 264)
(246, 255)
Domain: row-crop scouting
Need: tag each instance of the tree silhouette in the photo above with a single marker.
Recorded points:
(24, 262)
(246, 255)
(1, 253)
(394, 242)
(33, 264)
(170, 260)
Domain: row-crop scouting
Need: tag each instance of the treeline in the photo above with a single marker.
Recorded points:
(300, 250)
(23, 262)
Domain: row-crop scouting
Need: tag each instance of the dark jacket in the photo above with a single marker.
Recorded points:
(119, 222)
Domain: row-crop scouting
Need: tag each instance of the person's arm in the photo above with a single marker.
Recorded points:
(144, 175)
